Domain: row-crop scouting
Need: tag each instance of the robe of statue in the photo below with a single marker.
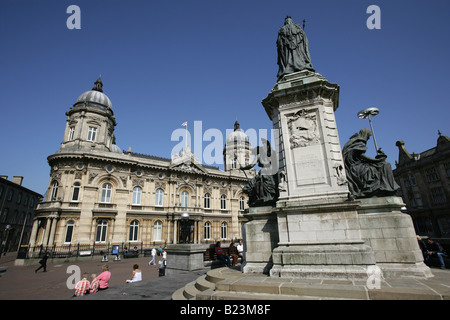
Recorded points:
(367, 177)
(293, 49)
(263, 188)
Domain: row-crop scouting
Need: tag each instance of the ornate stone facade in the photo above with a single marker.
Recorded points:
(99, 194)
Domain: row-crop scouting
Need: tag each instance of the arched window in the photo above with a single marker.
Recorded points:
(241, 203)
(207, 230)
(76, 191)
(102, 227)
(224, 230)
(207, 201)
(106, 193)
(134, 229)
(54, 191)
(184, 199)
(159, 197)
(157, 231)
(137, 195)
(69, 231)
(223, 202)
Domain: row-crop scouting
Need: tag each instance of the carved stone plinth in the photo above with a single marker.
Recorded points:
(391, 235)
(260, 238)
(301, 106)
(321, 240)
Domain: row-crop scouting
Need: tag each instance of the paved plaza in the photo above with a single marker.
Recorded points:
(22, 283)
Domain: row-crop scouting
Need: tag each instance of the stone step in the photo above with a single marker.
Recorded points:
(232, 295)
(178, 295)
(228, 284)
(190, 291)
(202, 284)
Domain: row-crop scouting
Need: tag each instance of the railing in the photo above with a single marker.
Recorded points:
(82, 250)
(100, 249)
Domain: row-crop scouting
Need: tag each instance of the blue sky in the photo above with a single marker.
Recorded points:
(166, 62)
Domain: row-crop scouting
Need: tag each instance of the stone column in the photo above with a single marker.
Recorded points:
(47, 231)
(52, 231)
(175, 232)
(34, 233)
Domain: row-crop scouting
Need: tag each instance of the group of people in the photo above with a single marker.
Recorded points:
(431, 248)
(234, 251)
(100, 282)
(162, 253)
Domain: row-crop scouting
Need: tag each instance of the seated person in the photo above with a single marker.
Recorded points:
(136, 275)
(434, 248)
(82, 286)
(221, 254)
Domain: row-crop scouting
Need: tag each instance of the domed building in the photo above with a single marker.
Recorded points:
(98, 195)
(237, 151)
(90, 123)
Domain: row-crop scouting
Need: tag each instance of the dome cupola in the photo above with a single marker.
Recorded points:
(90, 123)
(95, 98)
(237, 149)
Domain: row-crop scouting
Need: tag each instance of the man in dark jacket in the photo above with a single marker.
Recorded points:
(434, 248)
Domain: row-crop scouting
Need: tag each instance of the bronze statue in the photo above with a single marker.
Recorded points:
(293, 49)
(367, 177)
(262, 190)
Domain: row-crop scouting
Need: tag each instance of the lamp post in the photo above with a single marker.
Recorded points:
(184, 227)
(368, 114)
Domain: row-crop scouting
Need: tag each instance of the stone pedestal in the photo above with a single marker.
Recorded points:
(301, 106)
(260, 238)
(187, 257)
(321, 240)
(391, 235)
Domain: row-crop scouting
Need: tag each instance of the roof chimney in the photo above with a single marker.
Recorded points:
(18, 180)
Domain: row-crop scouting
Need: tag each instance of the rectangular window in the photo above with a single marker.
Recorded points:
(159, 198)
(92, 133)
(438, 196)
(76, 192)
(447, 169)
(432, 174)
(71, 132)
(69, 232)
(137, 196)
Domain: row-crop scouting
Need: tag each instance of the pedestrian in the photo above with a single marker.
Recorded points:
(163, 262)
(43, 262)
(136, 275)
(153, 257)
(93, 288)
(82, 287)
(103, 278)
(434, 248)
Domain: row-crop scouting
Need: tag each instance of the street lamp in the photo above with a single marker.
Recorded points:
(184, 227)
(368, 114)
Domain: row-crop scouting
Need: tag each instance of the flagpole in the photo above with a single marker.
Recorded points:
(186, 136)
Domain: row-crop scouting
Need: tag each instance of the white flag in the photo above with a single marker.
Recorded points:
(184, 124)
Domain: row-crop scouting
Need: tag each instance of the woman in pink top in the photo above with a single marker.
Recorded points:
(103, 278)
